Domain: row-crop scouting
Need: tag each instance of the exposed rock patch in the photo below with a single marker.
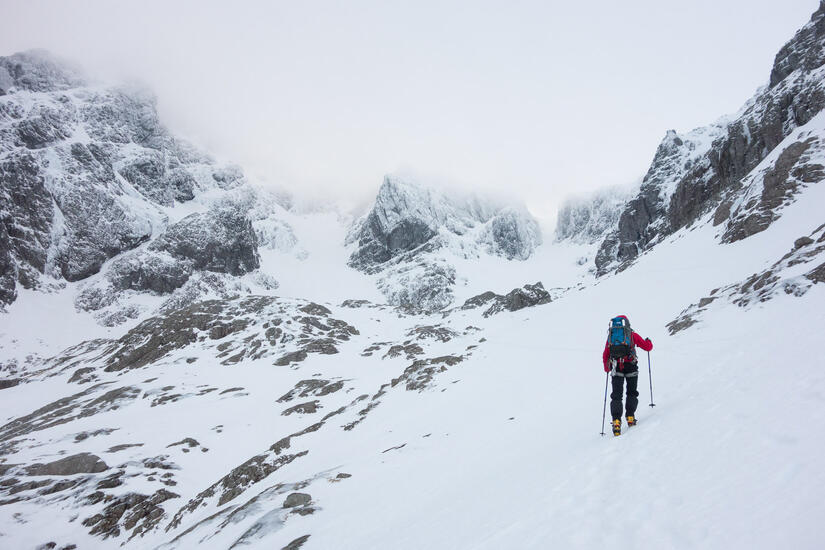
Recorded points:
(297, 499)
(779, 183)
(269, 326)
(237, 481)
(409, 351)
(123, 447)
(188, 441)
(313, 387)
(309, 407)
(79, 405)
(420, 374)
(9, 383)
(519, 298)
(130, 512)
(297, 543)
(763, 286)
(430, 332)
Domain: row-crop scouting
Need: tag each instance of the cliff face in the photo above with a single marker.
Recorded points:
(589, 219)
(88, 173)
(411, 226)
(701, 172)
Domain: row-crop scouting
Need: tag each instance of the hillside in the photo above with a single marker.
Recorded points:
(187, 358)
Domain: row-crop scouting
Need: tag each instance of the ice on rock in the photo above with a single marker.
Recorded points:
(89, 173)
(702, 171)
(588, 219)
(413, 230)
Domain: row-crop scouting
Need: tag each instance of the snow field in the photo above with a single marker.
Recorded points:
(503, 451)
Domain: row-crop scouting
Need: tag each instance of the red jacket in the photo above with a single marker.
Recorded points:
(638, 341)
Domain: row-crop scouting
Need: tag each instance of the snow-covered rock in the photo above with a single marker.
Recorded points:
(516, 299)
(37, 71)
(799, 161)
(588, 219)
(408, 214)
(419, 284)
(703, 170)
(88, 173)
(413, 230)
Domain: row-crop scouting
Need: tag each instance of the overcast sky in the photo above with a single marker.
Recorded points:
(541, 98)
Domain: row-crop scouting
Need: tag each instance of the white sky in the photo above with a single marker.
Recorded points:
(540, 98)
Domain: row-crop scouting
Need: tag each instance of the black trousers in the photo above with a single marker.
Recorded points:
(632, 394)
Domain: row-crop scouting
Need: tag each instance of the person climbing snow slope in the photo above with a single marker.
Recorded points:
(619, 358)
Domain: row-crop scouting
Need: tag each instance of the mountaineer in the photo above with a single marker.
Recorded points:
(619, 358)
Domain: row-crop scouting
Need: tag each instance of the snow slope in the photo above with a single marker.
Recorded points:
(500, 450)
(273, 401)
(728, 458)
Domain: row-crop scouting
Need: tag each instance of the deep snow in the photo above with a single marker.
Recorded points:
(503, 451)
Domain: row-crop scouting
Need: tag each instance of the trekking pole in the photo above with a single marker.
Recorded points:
(650, 378)
(604, 408)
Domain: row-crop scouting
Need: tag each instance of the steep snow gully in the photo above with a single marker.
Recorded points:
(229, 368)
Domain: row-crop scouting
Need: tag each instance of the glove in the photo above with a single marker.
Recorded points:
(648, 340)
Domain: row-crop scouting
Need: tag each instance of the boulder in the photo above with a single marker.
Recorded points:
(82, 463)
(297, 499)
(516, 299)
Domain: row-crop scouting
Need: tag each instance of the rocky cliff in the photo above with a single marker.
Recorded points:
(89, 173)
(587, 219)
(412, 231)
(702, 172)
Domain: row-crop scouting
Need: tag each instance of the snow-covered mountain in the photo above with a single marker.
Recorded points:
(705, 170)
(413, 234)
(185, 360)
(588, 219)
(96, 191)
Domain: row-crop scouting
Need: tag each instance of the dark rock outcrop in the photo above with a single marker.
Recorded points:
(8, 383)
(26, 214)
(779, 184)
(221, 240)
(421, 373)
(94, 400)
(297, 499)
(312, 387)
(400, 221)
(237, 481)
(309, 407)
(155, 179)
(297, 543)
(82, 463)
(130, 512)
(158, 272)
(233, 329)
(516, 299)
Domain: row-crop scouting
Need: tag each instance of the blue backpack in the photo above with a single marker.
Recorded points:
(620, 339)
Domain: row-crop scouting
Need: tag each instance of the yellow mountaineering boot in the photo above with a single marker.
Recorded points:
(617, 427)
(631, 420)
